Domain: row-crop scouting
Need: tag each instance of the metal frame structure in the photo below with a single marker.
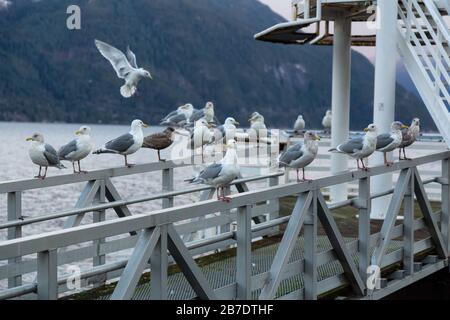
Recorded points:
(158, 240)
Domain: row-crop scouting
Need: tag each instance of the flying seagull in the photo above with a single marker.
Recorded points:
(127, 143)
(326, 121)
(159, 141)
(360, 147)
(299, 124)
(225, 132)
(180, 117)
(387, 142)
(222, 173)
(43, 154)
(300, 154)
(409, 136)
(125, 67)
(77, 149)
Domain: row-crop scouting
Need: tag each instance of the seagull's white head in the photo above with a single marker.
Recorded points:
(138, 124)
(144, 73)
(415, 122)
(209, 106)
(256, 117)
(311, 136)
(397, 125)
(84, 130)
(328, 113)
(300, 117)
(36, 137)
(231, 121)
(371, 128)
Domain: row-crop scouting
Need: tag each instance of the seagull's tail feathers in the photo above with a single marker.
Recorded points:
(61, 166)
(335, 150)
(100, 151)
(194, 180)
(127, 91)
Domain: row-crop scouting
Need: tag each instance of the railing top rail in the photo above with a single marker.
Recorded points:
(29, 184)
(66, 237)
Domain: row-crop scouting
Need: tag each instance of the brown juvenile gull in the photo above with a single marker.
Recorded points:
(409, 136)
(127, 143)
(159, 141)
(77, 149)
(43, 154)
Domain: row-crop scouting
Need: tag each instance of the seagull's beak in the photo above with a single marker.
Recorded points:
(317, 138)
(78, 132)
(366, 129)
(150, 76)
(404, 126)
(236, 123)
(145, 125)
(29, 139)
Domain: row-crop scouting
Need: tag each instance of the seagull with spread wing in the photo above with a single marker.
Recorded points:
(127, 143)
(300, 154)
(125, 67)
(43, 154)
(360, 147)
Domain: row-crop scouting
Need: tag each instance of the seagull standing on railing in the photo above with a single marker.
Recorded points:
(159, 141)
(221, 174)
(409, 136)
(180, 117)
(326, 121)
(206, 113)
(201, 135)
(43, 154)
(258, 125)
(387, 142)
(299, 125)
(77, 149)
(127, 143)
(360, 147)
(125, 67)
(300, 154)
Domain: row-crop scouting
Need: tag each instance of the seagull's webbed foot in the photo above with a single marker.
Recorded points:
(225, 199)
(388, 163)
(39, 177)
(130, 165)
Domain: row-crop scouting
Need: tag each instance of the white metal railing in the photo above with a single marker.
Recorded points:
(424, 45)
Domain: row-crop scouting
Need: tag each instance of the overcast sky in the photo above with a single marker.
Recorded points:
(283, 7)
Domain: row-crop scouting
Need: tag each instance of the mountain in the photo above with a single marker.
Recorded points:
(197, 50)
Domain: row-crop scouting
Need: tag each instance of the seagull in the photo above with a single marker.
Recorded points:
(127, 143)
(409, 136)
(207, 113)
(222, 173)
(225, 132)
(201, 134)
(180, 117)
(387, 142)
(77, 149)
(159, 141)
(299, 124)
(43, 154)
(257, 124)
(125, 67)
(326, 121)
(360, 147)
(300, 154)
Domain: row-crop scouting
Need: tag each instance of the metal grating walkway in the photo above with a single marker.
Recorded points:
(222, 273)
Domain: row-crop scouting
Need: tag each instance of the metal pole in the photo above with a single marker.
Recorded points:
(408, 228)
(14, 214)
(99, 216)
(310, 236)
(364, 203)
(445, 201)
(159, 263)
(167, 185)
(47, 275)
(384, 98)
(243, 254)
(340, 101)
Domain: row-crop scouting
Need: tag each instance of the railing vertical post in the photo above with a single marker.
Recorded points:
(47, 275)
(158, 265)
(98, 216)
(310, 236)
(274, 204)
(14, 213)
(225, 227)
(445, 199)
(243, 254)
(167, 185)
(364, 227)
(408, 227)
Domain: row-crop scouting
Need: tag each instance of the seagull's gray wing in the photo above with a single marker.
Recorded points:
(116, 58)
(383, 140)
(131, 57)
(210, 172)
(51, 155)
(67, 149)
(291, 154)
(170, 115)
(219, 134)
(196, 115)
(351, 145)
(121, 144)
